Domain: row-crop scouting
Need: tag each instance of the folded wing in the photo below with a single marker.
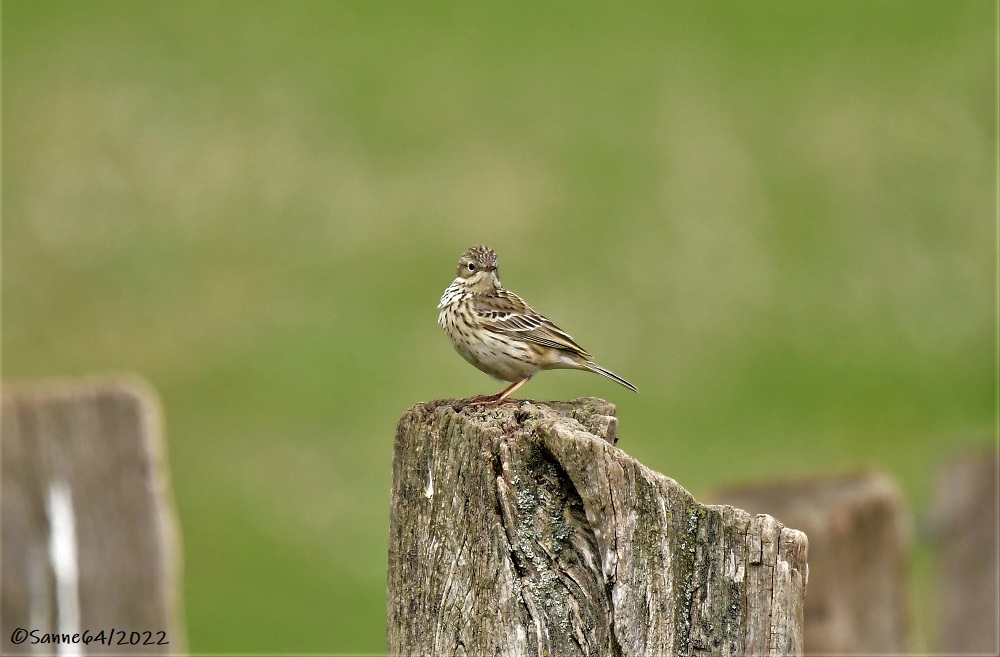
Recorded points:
(506, 313)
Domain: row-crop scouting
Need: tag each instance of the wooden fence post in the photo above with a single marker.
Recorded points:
(964, 526)
(89, 533)
(859, 531)
(521, 530)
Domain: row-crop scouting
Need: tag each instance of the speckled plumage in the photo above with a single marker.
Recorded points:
(496, 331)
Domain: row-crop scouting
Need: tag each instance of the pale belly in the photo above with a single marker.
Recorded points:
(497, 355)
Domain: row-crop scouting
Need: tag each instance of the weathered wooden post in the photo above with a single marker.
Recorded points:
(964, 525)
(859, 531)
(90, 541)
(521, 530)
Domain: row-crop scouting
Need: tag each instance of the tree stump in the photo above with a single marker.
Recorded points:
(964, 526)
(90, 538)
(859, 545)
(521, 530)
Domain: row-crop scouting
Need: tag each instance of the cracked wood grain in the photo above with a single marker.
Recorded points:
(522, 530)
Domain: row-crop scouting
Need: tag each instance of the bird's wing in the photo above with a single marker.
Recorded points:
(505, 312)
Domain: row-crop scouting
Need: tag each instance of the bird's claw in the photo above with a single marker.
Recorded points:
(483, 400)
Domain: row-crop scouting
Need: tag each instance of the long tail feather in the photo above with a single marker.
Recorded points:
(594, 367)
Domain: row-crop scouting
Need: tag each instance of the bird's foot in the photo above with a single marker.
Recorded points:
(484, 400)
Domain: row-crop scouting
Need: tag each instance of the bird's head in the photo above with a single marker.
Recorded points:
(477, 269)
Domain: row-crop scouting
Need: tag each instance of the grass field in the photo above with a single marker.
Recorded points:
(777, 219)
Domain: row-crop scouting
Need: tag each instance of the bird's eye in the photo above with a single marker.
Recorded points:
(472, 266)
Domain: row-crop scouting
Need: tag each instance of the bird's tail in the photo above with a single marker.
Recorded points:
(594, 367)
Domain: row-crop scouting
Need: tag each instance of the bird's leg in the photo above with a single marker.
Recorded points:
(507, 392)
(492, 400)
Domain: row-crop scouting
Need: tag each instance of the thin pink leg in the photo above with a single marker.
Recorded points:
(508, 391)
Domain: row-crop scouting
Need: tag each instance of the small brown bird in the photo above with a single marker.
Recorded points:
(495, 330)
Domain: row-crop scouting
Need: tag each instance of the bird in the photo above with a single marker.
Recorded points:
(500, 334)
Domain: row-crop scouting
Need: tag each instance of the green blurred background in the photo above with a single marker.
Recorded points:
(776, 219)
